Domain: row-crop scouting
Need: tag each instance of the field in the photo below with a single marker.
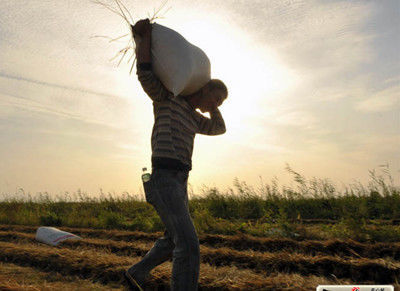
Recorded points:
(293, 239)
(238, 262)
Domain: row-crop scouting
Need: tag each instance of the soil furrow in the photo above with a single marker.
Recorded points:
(342, 248)
(266, 263)
(105, 268)
(14, 277)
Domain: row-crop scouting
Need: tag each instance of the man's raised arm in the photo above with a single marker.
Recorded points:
(150, 83)
(212, 126)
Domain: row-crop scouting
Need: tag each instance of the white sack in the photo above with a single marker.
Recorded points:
(53, 236)
(182, 67)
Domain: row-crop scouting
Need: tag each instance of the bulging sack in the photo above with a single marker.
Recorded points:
(182, 67)
(53, 236)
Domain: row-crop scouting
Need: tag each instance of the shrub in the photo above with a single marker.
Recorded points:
(141, 223)
(110, 220)
(50, 219)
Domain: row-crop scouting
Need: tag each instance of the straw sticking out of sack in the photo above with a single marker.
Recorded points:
(123, 12)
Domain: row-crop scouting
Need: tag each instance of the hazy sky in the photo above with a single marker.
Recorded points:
(314, 84)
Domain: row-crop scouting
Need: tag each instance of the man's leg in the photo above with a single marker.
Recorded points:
(158, 254)
(170, 202)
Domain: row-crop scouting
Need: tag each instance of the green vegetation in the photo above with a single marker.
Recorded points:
(358, 212)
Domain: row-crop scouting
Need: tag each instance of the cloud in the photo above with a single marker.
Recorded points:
(323, 43)
(311, 34)
(375, 150)
(48, 84)
(393, 80)
(32, 106)
(382, 101)
(81, 104)
(296, 119)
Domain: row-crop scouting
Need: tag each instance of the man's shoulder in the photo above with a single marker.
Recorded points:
(184, 102)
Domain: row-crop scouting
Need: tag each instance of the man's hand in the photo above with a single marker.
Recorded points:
(142, 27)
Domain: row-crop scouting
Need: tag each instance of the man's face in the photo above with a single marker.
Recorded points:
(210, 100)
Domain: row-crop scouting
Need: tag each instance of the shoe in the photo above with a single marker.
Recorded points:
(134, 283)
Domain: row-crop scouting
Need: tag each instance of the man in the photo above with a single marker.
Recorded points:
(176, 124)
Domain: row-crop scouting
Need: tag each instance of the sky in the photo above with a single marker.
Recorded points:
(313, 84)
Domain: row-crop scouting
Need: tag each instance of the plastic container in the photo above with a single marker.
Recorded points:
(146, 175)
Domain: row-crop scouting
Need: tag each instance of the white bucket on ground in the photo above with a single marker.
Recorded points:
(182, 67)
(53, 236)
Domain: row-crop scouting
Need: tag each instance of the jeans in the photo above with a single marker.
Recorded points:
(167, 192)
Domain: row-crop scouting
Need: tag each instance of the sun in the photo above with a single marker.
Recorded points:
(251, 71)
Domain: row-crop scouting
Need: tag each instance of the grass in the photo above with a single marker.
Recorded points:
(363, 269)
(102, 267)
(14, 277)
(270, 210)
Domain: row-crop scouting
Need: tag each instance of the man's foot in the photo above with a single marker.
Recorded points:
(135, 279)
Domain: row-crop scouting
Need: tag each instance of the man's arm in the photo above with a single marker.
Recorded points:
(212, 126)
(143, 30)
(150, 83)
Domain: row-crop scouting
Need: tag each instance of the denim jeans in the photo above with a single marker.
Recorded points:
(167, 192)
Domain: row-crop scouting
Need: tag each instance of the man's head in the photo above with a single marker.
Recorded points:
(212, 95)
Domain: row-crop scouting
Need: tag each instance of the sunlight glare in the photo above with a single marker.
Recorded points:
(250, 71)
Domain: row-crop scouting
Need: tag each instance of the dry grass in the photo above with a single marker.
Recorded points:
(121, 10)
(106, 268)
(358, 269)
(240, 242)
(14, 277)
(102, 256)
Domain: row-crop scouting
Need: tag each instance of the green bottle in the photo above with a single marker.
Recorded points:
(145, 175)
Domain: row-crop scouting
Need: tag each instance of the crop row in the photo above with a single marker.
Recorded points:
(334, 247)
(105, 268)
(361, 269)
(18, 278)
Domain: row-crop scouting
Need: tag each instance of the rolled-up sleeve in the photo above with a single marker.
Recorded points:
(211, 126)
(151, 84)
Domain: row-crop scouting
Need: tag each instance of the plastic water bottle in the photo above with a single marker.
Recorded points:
(145, 175)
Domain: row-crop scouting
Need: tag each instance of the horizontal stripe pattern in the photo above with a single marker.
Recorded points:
(175, 121)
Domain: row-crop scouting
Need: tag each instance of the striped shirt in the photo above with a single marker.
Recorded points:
(176, 123)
